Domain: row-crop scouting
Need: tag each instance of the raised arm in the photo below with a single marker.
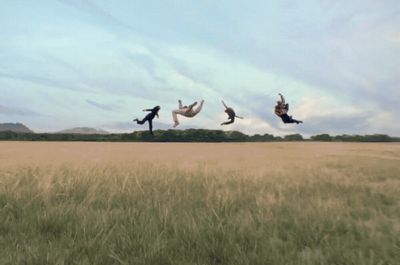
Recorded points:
(282, 99)
(180, 104)
(224, 104)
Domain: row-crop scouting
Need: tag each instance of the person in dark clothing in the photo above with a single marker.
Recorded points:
(281, 110)
(231, 115)
(149, 117)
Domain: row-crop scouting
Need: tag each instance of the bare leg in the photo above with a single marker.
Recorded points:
(196, 111)
(175, 118)
(191, 107)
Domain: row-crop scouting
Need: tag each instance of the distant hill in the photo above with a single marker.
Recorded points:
(14, 127)
(83, 130)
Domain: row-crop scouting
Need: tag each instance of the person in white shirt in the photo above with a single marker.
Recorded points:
(186, 111)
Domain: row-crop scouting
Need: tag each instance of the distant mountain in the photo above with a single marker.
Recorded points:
(84, 130)
(14, 127)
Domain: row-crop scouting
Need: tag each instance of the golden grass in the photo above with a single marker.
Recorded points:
(123, 203)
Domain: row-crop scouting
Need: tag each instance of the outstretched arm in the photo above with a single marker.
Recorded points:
(147, 109)
(180, 104)
(224, 104)
(239, 117)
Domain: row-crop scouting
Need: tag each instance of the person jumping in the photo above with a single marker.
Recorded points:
(186, 111)
(281, 110)
(231, 115)
(149, 117)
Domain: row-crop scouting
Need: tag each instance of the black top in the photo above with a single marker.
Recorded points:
(153, 112)
(231, 113)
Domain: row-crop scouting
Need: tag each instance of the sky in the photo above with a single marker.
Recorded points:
(98, 63)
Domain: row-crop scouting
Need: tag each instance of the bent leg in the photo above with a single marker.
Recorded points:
(141, 122)
(198, 109)
(228, 122)
(288, 119)
(175, 117)
(297, 121)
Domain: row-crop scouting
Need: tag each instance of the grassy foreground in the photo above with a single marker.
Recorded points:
(337, 213)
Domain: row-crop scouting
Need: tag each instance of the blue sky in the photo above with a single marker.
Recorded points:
(73, 63)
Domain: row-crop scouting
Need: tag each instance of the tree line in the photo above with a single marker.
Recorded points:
(191, 135)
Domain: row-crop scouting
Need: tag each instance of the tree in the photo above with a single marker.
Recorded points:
(293, 137)
(322, 137)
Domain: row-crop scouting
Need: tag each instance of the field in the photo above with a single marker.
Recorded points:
(253, 203)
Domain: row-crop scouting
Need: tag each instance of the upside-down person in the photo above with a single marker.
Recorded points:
(231, 115)
(149, 117)
(186, 111)
(281, 110)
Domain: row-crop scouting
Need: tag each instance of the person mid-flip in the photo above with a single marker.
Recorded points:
(186, 111)
(149, 117)
(281, 110)
(231, 115)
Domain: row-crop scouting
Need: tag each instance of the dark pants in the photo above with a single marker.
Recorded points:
(231, 120)
(148, 118)
(288, 119)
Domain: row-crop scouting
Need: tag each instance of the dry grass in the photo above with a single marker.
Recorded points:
(108, 203)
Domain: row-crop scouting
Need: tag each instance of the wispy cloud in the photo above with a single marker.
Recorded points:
(88, 6)
(336, 62)
(8, 111)
(103, 106)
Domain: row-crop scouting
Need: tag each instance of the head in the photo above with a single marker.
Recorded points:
(157, 108)
(279, 102)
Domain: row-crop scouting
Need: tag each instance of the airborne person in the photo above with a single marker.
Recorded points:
(149, 117)
(186, 111)
(231, 115)
(281, 110)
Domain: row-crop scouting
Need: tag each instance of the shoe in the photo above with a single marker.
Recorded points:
(176, 124)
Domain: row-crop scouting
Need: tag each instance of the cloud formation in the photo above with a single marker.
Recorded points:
(337, 63)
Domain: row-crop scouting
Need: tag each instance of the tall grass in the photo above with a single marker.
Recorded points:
(335, 213)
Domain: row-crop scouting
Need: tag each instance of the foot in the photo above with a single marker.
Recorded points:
(176, 124)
